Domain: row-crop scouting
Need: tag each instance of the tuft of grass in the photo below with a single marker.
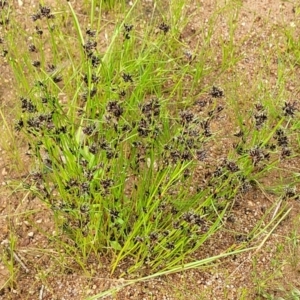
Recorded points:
(114, 172)
(117, 144)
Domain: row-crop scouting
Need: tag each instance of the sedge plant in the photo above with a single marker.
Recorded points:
(115, 148)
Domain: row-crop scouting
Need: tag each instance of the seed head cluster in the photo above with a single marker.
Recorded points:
(44, 12)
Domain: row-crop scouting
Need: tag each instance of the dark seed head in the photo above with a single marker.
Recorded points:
(38, 30)
(27, 105)
(106, 183)
(201, 155)
(260, 119)
(94, 78)
(153, 236)
(95, 60)
(36, 17)
(151, 108)
(128, 27)
(114, 214)
(186, 117)
(281, 138)
(170, 245)
(19, 125)
(127, 77)
(114, 108)
(45, 11)
(259, 107)
(32, 48)
(90, 32)
(4, 21)
(57, 78)
(216, 92)
(93, 149)
(4, 53)
(89, 46)
(3, 3)
(139, 239)
(258, 155)
(290, 192)
(88, 130)
(285, 152)
(51, 68)
(164, 27)
(143, 128)
(232, 166)
(239, 134)
(36, 63)
(289, 108)
(122, 93)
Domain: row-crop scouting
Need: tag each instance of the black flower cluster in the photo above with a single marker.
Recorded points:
(149, 124)
(257, 155)
(260, 116)
(90, 32)
(285, 152)
(19, 125)
(281, 137)
(246, 185)
(127, 29)
(164, 27)
(27, 105)
(283, 142)
(192, 218)
(143, 128)
(231, 166)
(115, 109)
(114, 214)
(40, 122)
(239, 134)
(206, 127)
(289, 108)
(32, 48)
(215, 111)
(291, 192)
(4, 20)
(151, 109)
(201, 103)
(39, 31)
(186, 117)
(36, 63)
(90, 48)
(127, 77)
(3, 4)
(89, 129)
(216, 92)
(44, 12)
(94, 78)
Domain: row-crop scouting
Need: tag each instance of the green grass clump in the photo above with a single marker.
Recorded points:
(115, 160)
(116, 142)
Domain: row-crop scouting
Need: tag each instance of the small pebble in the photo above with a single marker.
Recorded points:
(4, 172)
